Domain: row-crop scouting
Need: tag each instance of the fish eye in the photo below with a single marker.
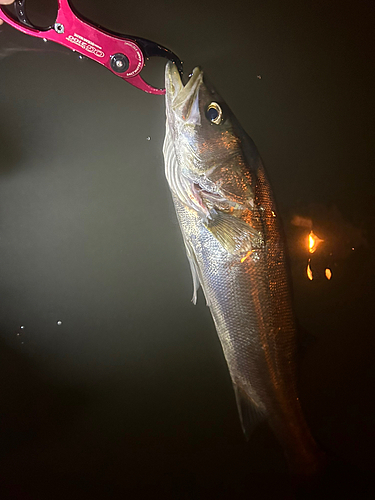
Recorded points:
(214, 113)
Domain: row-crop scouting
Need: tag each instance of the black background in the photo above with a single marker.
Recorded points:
(130, 395)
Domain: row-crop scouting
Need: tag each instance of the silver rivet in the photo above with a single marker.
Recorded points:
(59, 28)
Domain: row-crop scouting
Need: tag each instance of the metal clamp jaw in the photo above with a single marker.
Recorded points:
(122, 54)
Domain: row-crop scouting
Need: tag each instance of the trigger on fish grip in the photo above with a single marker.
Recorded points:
(17, 12)
(39, 19)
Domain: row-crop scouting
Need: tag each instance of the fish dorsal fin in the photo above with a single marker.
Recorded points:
(234, 234)
(250, 413)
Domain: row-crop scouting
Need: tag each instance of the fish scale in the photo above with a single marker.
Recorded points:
(248, 292)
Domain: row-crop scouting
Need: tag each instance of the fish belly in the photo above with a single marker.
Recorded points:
(257, 334)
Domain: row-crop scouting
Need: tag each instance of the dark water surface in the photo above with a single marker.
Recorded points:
(129, 397)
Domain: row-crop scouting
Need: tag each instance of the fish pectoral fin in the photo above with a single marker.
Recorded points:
(250, 413)
(195, 272)
(234, 234)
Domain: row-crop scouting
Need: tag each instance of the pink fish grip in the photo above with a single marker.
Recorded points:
(120, 54)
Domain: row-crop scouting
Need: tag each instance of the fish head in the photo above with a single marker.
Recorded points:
(210, 170)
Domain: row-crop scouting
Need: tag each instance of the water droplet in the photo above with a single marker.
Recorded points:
(18, 334)
(352, 248)
(148, 138)
(45, 40)
(59, 323)
(22, 327)
(259, 77)
(255, 256)
(80, 56)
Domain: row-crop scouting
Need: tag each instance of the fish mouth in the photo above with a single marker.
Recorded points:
(183, 111)
(179, 97)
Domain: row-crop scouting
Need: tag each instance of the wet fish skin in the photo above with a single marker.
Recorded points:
(234, 243)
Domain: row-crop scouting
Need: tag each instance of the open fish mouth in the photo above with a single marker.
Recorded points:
(180, 97)
(183, 111)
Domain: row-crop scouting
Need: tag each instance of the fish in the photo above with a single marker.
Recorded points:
(233, 235)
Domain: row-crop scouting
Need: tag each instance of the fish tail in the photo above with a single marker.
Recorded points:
(307, 469)
(306, 460)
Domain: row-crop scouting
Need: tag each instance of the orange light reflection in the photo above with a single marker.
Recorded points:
(313, 242)
(246, 256)
(309, 272)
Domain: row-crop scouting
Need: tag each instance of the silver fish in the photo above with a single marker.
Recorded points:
(234, 244)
